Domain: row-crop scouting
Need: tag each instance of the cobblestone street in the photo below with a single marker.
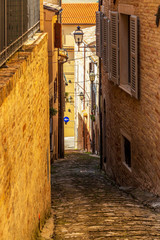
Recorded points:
(86, 205)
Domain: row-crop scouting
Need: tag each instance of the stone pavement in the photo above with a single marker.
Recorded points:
(85, 205)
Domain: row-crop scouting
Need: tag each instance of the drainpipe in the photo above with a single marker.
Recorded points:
(84, 130)
(63, 59)
(100, 110)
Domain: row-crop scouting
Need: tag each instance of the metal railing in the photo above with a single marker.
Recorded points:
(19, 20)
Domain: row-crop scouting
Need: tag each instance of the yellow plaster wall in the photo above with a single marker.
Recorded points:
(24, 141)
(69, 73)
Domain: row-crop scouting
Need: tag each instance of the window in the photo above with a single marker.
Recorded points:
(58, 35)
(129, 53)
(119, 49)
(125, 50)
(126, 150)
(99, 16)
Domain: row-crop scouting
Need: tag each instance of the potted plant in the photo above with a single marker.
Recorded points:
(53, 111)
(92, 116)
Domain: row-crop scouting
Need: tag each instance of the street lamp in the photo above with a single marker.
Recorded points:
(78, 35)
(92, 76)
(81, 95)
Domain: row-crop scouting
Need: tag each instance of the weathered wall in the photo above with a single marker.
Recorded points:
(24, 141)
(49, 20)
(140, 119)
(69, 101)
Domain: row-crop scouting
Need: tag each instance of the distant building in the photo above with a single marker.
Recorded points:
(86, 107)
(74, 14)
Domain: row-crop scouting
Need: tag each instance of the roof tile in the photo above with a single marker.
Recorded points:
(79, 13)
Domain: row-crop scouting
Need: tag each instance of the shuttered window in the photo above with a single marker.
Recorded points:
(134, 55)
(58, 35)
(105, 34)
(114, 47)
(98, 33)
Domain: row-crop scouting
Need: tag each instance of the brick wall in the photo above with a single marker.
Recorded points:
(24, 141)
(140, 119)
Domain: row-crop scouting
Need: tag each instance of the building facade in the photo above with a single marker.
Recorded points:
(128, 33)
(53, 28)
(74, 14)
(86, 93)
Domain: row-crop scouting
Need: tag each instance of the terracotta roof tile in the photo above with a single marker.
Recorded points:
(79, 13)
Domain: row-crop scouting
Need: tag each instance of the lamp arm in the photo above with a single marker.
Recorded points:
(83, 89)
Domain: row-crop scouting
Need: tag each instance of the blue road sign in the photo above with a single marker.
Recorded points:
(66, 119)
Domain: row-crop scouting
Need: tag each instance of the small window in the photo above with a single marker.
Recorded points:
(126, 150)
(124, 49)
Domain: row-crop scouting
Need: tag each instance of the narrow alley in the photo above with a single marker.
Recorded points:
(85, 205)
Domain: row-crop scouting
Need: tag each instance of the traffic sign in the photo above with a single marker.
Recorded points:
(66, 119)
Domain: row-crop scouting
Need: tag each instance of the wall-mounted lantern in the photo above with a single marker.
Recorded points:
(92, 76)
(81, 95)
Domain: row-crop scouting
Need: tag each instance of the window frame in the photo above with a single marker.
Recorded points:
(123, 159)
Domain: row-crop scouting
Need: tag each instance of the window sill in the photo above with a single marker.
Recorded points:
(127, 167)
(126, 88)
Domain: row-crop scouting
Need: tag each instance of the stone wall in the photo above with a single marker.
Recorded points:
(24, 141)
(140, 119)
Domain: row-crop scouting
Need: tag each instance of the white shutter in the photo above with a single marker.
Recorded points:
(134, 55)
(98, 34)
(114, 47)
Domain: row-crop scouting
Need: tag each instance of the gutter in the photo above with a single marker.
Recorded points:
(51, 7)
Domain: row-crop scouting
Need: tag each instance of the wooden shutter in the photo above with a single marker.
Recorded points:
(106, 43)
(98, 34)
(102, 28)
(134, 55)
(109, 50)
(58, 35)
(114, 47)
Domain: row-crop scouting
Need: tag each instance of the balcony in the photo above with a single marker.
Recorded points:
(19, 20)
